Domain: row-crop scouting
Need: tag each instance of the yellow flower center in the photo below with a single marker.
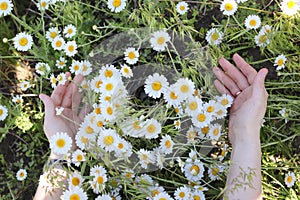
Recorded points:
(117, 3)
(53, 34)
(109, 86)
(252, 22)
(291, 4)
(195, 197)
(70, 31)
(58, 43)
(131, 55)
(98, 84)
(201, 117)
(210, 109)
(289, 179)
(173, 96)
(177, 110)
(75, 181)
(89, 130)
(155, 192)
(136, 125)
(215, 36)
(100, 180)
(168, 143)
(109, 110)
(3, 6)
(126, 70)
(156, 85)
(98, 110)
(43, 4)
(108, 140)
(205, 130)
(192, 134)
(128, 175)
(160, 40)
(224, 102)
(107, 98)
(100, 124)
(61, 63)
(120, 145)
(23, 41)
(280, 62)
(79, 157)
(263, 39)
(216, 131)
(1, 111)
(71, 48)
(84, 140)
(21, 174)
(215, 171)
(181, 194)
(184, 88)
(195, 169)
(60, 143)
(193, 105)
(162, 198)
(108, 73)
(228, 6)
(182, 8)
(151, 128)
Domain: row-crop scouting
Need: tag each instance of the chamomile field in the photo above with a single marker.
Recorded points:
(146, 65)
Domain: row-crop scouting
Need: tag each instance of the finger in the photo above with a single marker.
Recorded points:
(226, 81)
(237, 76)
(71, 90)
(48, 104)
(259, 81)
(247, 70)
(221, 88)
(59, 91)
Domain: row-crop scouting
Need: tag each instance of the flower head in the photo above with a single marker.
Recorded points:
(159, 40)
(23, 41)
(61, 63)
(70, 48)
(262, 39)
(155, 85)
(214, 36)
(280, 61)
(116, 5)
(58, 43)
(131, 55)
(60, 143)
(290, 179)
(52, 33)
(43, 4)
(290, 7)
(252, 22)
(24, 85)
(126, 71)
(6, 7)
(69, 31)
(42, 68)
(182, 7)
(75, 180)
(229, 7)
(21, 175)
(194, 170)
(74, 193)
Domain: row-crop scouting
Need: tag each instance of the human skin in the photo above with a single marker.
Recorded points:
(245, 119)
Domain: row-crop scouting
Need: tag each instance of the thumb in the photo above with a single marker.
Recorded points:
(49, 105)
(259, 80)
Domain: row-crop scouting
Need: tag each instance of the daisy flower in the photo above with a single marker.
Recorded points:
(21, 175)
(284, 114)
(3, 112)
(171, 97)
(191, 135)
(96, 83)
(76, 67)
(17, 99)
(162, 196)
(214, 36)
(74, 193)
(123, 148)
(224, 151)
(108, 139)
(82, 141)
(61, 63)
(6, 7)
(201, 118)
(290, 179)
(156, 190)
(197, 194)
(61, 78)
(42, 68)
(60, 143)
(214, 172)
(229, 7)
(131, 55)
(108, 111)
(75, 179)
(220, 111)
(203, 132)
(58, 43)
(59, 110)
(86, 67)
(97, 170)
(52, 33)
(215, 132)
(116, 5)
(70, 48)
(182, 193)
(126, 71)
(109, 86)
(53, 80)
(159, 40)
(166, 144)
(184, 88)
(262, 39)
(78, 156)
(109, 71)
(280, 61)
(43, 4)
(210, 107)
(290, 7)
(225, 100)
(177, 124)
(69, 31)
(145, 158)
(152, 128)
(252, 22)
(155, 85)
(194, 171)
(23, 41)
(24, 85)
(182, 7)
(192, 105)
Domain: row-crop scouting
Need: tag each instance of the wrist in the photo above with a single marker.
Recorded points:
(244, 136)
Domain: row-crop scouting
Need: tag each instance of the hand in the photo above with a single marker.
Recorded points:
(250, 97)
(68, 97)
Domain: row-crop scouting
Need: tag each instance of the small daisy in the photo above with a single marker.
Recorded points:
(220, 111)
(194, 171)
(201, 118)
(225, 100)
(18, 99)
(145, 158)
(61, 63)
(155, 191)
(96, 83)
(6, 7)
(229, 7)
(74, 193)
(290, 179)
(43, 4)
(197, 194)
(82, 141)
(59, 110)
(24, 85)
(177, 124)
(171, 97)
(266, 29)
(70, 48)
(3, 113)
(58, 43)
(191, 135)
(152, 128)
(60, 143)
(75, 179)
(126, 71)
(192, 105)
(109, 86)
(210, 107)
(116, 5)
(252, 22)
(61, 78)
(214, 36)
(76, 67)
(262, 39)
(159, 40)
(224, 151)
(108, 111)
(203, 132)
(23, 41)
(215, 131)
(21, 175)
(184, 88)
(182, 7)
(108, 139)
(182, 193)
(52, 33)
(53, 81)
(69, 31)
(162, 196)
(290, 7)
(214, 172)
(109, 71)
(86, 67)
(166, 144)
(155, 85)
(42, 68)
(280, 61)
(284, 114)
(123, 148)
(131, 56)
